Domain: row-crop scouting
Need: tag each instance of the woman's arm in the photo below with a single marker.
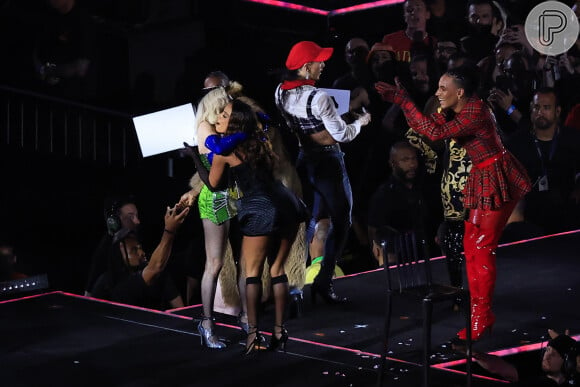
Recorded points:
(434, 127)
(496, 365)
(333, 122)
(203, 173)
(204, 130)
(216, 172)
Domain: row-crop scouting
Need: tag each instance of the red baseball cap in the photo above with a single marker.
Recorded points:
(307, 51)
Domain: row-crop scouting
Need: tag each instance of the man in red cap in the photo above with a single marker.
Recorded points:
(312, 115)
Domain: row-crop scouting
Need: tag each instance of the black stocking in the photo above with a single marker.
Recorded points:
(253, 296)
(451, 240)
(280, 290)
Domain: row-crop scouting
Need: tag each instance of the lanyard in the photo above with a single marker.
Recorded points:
(552, 151)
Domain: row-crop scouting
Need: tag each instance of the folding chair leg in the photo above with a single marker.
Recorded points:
(427, 313)
(385, 350)
(468, 342)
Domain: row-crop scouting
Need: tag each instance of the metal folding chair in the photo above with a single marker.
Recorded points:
(409, 274)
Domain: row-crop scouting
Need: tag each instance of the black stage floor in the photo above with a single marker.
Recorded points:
(60, 339)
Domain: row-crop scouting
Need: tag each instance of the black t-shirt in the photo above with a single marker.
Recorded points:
(561, 160)
(551, 209)
(99, 261)
(131, 289)
(396, 206)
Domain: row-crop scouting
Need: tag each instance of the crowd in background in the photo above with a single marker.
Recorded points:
(534, 99)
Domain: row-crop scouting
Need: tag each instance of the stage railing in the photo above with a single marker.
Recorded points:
(45, 124)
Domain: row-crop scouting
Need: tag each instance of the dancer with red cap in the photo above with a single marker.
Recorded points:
(312, 116)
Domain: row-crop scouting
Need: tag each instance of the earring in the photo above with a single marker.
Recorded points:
(307, 74)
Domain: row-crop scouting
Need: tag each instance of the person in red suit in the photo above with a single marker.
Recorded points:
(414, 37)
(495, 183)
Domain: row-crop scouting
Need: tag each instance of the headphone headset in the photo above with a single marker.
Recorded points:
(112, 219)
(569, 362)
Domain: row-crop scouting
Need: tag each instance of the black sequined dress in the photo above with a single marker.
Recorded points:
(266, 206)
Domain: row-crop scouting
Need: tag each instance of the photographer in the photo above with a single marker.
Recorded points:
(556, 68)
(561, 72)
(121, 215)
(559, 364)
(511, 96)
(132, 279)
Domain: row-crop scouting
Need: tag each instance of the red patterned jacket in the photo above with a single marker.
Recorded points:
(497, 176)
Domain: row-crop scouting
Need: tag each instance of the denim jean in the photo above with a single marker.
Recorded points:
(327, 193)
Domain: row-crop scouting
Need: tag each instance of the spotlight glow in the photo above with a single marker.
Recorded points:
(323, 12)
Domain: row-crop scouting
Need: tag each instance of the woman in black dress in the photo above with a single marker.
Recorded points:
(268, 213)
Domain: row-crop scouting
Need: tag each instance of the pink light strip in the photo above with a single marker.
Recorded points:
(500, 353)
(28, 297)
(502, 245)
(168, 312)
(294, 7)
(474, 375)
(183, 308)
(538, 238)
(302, 8)
(358, 352)
(165, 313)
(319, 344)
(362, 7)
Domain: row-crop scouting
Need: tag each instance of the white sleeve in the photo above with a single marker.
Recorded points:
(323, 106)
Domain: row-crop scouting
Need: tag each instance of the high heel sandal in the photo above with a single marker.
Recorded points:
(276, 341)
(207, 336)
(326, 293)
(254, 345)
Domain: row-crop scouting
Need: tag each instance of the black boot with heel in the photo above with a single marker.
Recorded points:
(326, 293)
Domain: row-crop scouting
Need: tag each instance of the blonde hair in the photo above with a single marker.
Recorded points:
(234, 89)
(211, 105)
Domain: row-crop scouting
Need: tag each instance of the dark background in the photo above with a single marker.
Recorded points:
(148, 55)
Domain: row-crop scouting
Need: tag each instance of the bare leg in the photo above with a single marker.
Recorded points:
(319, 240)
(280, 282)
(254, 251)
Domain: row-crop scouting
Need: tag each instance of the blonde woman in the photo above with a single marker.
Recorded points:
(216, 212)
(269, 213)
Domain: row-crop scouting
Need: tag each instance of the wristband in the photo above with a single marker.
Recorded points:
(510, 110)
(169, 232)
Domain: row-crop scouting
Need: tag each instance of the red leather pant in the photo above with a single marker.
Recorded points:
(482, 232)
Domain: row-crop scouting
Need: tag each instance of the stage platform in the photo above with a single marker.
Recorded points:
(61, 339)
